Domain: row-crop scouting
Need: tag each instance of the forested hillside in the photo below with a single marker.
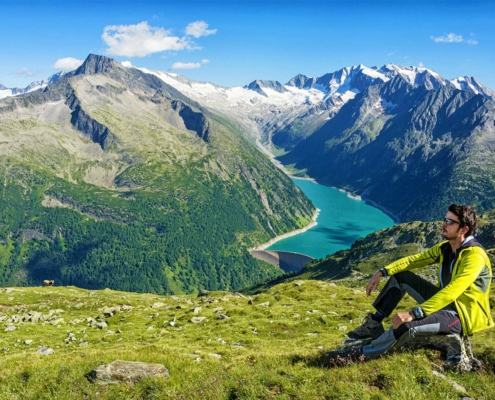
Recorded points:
(112, 179)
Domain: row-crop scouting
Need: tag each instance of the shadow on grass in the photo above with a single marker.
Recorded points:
(318, 360)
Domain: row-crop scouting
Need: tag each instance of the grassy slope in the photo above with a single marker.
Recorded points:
(266, 352)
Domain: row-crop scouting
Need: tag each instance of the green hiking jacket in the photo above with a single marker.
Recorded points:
(469, 288)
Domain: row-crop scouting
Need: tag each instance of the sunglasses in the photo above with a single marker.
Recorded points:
(448, 221)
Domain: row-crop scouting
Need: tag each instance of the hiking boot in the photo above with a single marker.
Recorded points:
(344, 357)
(370, 329)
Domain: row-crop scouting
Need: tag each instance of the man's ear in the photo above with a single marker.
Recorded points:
(464, 229)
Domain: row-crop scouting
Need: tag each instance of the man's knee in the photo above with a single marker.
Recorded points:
(404, 277)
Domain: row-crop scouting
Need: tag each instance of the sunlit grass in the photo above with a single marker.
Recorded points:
(271, 346)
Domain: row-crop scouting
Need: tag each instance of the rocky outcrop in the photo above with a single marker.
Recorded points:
(193, 120)
(258, 85)
(91, 128)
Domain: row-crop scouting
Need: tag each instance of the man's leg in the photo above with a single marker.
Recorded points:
(400, 284)
(439, 323)
(388, 299)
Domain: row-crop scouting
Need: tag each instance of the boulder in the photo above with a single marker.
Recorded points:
(46, 351)
(127, 372)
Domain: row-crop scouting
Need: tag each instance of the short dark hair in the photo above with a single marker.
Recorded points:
(467, 216)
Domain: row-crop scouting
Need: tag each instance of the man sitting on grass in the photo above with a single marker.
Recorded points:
(459, 304)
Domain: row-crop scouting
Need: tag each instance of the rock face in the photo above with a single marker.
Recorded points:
(91, 128)
(258, 86)
(127, 372)
(194, 121)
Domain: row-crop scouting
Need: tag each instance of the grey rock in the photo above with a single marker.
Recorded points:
(45, 351)
(265, 304)
(102, 325)
(10, 328)
(223, 316)
(109, 311)
(203, 292)
(158, 305)
(197, 320)
(28, 342)
(127, 372)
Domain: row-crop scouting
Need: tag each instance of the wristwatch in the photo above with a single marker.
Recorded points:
(418, 312)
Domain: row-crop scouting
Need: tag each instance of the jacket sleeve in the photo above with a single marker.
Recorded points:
(419, 260)
(468, 270)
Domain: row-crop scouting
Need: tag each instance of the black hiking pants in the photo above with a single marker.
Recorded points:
(442, 322)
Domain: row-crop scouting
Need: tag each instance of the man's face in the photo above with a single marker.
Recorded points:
(451, 231)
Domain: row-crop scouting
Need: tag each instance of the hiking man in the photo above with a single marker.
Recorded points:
(459, 304)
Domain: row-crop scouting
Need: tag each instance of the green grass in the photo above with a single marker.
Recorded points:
(267, 352)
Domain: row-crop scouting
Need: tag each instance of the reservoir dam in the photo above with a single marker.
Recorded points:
(286, 260)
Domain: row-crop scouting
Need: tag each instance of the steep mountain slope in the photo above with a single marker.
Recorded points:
(112, 178)
(411, 149)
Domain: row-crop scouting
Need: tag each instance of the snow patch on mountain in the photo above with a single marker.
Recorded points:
(31, 87)
(471, 84)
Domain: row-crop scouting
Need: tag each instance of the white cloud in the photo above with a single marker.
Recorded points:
(421, 65)
(205, 61)
(25, 71)
(141, 40)
(180, 65)
(67, 64)
(453, 38)
(198, 29)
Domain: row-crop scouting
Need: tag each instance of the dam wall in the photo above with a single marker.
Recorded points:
(286, 260)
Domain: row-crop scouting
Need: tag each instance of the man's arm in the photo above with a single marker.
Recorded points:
(404, 264)
(373, 282)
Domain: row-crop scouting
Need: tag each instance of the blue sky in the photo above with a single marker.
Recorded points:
(231, 43)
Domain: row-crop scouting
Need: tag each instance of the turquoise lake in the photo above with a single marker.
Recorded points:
(341, 222)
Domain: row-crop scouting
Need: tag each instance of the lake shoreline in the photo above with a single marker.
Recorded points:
(271, 242)
(354, 196)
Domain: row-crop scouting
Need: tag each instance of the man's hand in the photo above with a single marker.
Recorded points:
(401, 318)
(373, 283)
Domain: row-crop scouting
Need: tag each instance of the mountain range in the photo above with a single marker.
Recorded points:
(123, 153)
(404, 138)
